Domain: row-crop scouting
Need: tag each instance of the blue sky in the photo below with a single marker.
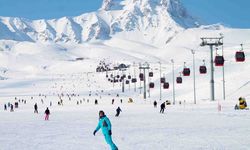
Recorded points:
(233, 13)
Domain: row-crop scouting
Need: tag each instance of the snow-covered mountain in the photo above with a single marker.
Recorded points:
(161, 17)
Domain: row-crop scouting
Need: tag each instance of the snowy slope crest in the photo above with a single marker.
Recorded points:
(115, 16)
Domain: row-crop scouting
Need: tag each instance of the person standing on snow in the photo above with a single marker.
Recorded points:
(105, 125)
(155, 104)
(47, 113)
(35, 108)
(5, 107)
(11, 108)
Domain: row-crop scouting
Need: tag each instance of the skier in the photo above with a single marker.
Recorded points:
(96, 102)
(113, 101)
(11, 108)
(155, 104)
(162, 108)
(121, 101)
(35, 108)
(105, 125)
(47, 113)
(118, 111)
(5, 107)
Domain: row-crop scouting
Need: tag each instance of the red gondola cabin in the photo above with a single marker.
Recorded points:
(203, 69)
(166, 85)
(240, 56)
(186, 72)
(179, 80)
(151, 85)
(219, 61)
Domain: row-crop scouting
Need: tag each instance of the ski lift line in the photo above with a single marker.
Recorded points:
(236, 43)
(232, 93)
(196, 49)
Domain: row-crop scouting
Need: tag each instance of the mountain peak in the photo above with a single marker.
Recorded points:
(109, 5)
(173, 8)
(147, 18)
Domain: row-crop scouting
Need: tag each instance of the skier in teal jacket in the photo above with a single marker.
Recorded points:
(105, 125)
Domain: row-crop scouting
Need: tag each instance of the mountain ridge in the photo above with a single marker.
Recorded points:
(115, 16)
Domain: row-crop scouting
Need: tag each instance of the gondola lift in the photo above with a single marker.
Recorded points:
(151, 74)
(162, 80)
(240, 55)
(203, 68)
(151, 85)
(179, 79)
(219, 60)
(166, 85)
(134, 80)
(186, 70)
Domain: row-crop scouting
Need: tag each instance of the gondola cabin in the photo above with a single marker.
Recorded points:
(151, 74)
(219, 61)
(122, 77)
(151, 85)
(134, 80)
(179, 80)
(186, 72)
(240, 56)
(166, 85)
(127, 81)
(141, 75)
(162, 80)
(203, 69)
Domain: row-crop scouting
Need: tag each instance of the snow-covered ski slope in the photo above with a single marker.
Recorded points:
(26, 63)
(40, 57)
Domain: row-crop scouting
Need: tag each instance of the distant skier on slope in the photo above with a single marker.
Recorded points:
(47, 113)
(162, 108)
(155, 104)
(36, 108)
(118, 111)
(105, 125)
(5, 107)
(11, 108)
